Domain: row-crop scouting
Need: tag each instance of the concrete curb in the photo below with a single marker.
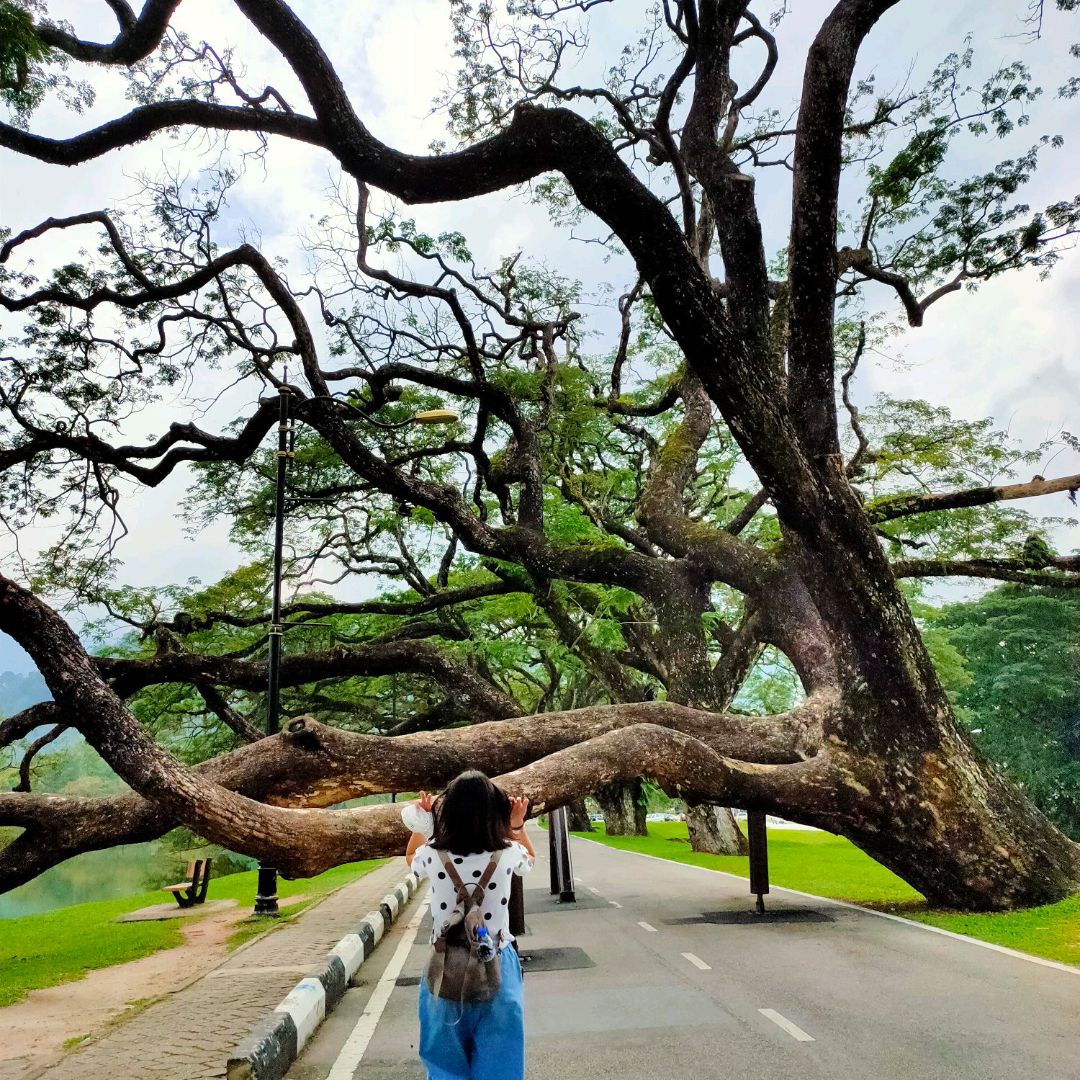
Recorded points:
(275, 1043)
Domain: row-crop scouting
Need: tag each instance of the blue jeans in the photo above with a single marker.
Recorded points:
(476, 1041)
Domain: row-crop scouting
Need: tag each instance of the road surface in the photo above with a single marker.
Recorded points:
(672, 978)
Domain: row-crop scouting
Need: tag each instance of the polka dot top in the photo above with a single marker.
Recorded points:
(496, 904)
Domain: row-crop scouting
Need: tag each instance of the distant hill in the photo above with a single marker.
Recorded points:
(20, 690)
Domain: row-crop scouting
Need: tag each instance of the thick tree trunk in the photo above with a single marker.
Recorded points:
(578, 816)
(714, 831)
(950, 825)
(623, 806)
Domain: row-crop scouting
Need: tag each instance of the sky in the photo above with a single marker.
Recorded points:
(1008, 350)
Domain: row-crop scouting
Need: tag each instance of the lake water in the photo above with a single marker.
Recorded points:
(97, 875)
(111, 874)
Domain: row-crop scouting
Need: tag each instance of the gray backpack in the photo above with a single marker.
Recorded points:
(460, 968)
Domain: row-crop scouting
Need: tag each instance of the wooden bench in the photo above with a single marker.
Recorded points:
(193, 891)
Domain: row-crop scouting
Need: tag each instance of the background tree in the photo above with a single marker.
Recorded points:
(1018, 689)
(589, 505)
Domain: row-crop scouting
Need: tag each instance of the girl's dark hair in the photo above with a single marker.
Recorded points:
(472, 815)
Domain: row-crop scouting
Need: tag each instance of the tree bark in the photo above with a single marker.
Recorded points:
(714, 831)
(623, 807)
(578, 816)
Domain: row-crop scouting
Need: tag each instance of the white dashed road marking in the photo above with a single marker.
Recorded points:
(696, 961)
(592, 890)
(614, 903)
(646, 926)
(357, 1043)
(793, 1030)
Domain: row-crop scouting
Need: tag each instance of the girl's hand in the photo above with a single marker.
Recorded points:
(425, 802)
(518, 809)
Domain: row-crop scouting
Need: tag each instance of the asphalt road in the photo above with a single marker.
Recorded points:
(819, 992)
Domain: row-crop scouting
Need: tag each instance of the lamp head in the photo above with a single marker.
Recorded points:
(436, 416)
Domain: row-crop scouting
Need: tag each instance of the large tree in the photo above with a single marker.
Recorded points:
(600, 490)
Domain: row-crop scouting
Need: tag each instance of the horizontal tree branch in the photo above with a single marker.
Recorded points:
(1067, 577)
(896, 506)
(312, 765)
(385, 658)
(138, 36)
(298, 841)
(22, 723)
(58, 827)
(147, 120)
(125, 458)
(317, 609)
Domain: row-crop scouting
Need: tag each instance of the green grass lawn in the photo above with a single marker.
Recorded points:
(58, 946)
(831, 866)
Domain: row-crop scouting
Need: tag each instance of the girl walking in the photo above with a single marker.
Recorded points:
(469, 843)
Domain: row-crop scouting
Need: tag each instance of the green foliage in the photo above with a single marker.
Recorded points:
(29, 69)
(916, 447)
(20, 45)
(1019, 690)
(929, 224)
(772, 685)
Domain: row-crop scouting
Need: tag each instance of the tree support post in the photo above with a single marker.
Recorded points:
(759, 856)
(562, 870)
(266, 901)
(553, 859)
(517, 906)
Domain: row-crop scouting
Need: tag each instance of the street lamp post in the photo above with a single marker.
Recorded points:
(266, 901)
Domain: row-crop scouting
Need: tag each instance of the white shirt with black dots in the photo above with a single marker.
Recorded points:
(496, 905)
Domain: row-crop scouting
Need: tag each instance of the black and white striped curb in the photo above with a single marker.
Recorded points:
(270, 1049)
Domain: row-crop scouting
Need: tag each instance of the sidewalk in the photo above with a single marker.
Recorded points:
(189, 1034)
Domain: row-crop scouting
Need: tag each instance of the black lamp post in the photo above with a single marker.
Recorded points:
(266, 901)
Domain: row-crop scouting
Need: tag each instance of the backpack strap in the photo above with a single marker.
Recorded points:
(470, 895)
(489, 870)
(451, 872)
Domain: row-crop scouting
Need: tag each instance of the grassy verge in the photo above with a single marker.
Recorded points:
(59, 946)
(831, 866)
(312, 888)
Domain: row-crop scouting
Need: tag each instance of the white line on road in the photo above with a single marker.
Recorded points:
(1004, 950)
(592, 890)
(793, 1030)
(357, 1043)
(646, 926)
(697, 961)
(614, 903)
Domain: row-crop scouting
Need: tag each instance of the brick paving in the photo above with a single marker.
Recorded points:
(189, 1034)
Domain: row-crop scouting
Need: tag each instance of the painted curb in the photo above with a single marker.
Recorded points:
(268, 1051)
